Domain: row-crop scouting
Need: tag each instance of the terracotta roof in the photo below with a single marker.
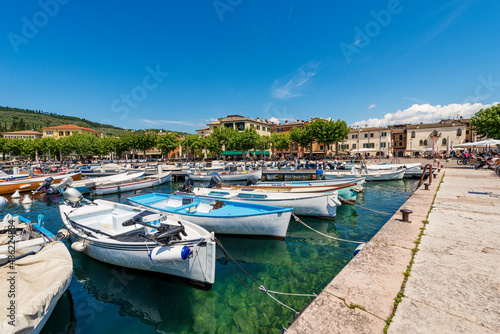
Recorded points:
(442, 124)
(203, 129)
(23, 132)
(69, 127)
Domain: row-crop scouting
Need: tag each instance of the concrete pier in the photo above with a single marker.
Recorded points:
(445, 281)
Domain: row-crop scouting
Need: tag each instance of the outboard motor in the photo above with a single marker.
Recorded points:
(3, 203)
(73, 196)
(319, 174)
(66, 182)
(188, 185)
(252, 180)
(215, 181)
(46, 185)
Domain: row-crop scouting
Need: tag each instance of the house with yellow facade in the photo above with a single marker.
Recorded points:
(67, 130)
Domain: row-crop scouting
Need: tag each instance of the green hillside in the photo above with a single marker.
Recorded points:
(14, 119)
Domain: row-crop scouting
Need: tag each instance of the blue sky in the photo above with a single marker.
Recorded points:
(178, 64)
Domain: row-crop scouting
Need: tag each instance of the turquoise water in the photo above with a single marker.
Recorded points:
(107, 299)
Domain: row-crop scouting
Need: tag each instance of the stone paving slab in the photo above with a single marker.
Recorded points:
(380, 270)
(461, 255)
(431, 317)
(462, 293)
(454, 286)
(482, 207)
(319, 318)
(477, 232)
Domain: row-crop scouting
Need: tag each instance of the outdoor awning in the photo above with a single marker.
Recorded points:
(363, 150)
(481, 143)
(260, 152)
(232, 153)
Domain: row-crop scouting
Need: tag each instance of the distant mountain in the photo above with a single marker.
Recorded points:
(13, 119)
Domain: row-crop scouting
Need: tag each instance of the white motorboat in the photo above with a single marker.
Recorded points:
(221, 216)
(130, 237)
(87, 185)
(306, 204)
(40, 269)
(379, 175)
(142, 183)
(226, 176)
(347, 188)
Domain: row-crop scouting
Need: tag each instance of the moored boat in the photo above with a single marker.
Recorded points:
(130, 237)
(227, 176)
(9, 187)
(307, 204)
(347, 188)
(87, 185)
(142, 183)
(37, 273)
(221, 216)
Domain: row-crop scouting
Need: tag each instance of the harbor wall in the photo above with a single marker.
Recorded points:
(360, 299)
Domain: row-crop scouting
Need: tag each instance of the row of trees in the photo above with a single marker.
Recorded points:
(323, 131)
(84, 144)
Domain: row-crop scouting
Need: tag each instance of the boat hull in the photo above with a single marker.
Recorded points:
(137, 257)
(315, 205)
(253, 221)
(236, 176)
(199, 268)
(131, 186)
(24, 185)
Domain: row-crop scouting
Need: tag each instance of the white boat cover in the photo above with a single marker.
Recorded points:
(41, 279)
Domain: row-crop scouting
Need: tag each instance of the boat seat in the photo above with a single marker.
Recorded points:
(182, 207)
(204, 207)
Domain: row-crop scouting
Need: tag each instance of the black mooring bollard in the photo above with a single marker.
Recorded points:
(406, 214)
(426, 185)
(435, 175)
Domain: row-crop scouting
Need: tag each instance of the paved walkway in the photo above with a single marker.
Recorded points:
(455, 282)
(454, 285)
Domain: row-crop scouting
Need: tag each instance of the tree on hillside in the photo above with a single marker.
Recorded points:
(167, 143)
(486, 122)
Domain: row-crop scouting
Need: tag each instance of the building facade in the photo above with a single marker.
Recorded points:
(426, 139)
(24, 134)
(368, 142)
(67, 130)
(240, 123)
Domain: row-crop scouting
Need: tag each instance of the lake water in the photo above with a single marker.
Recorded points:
(107, 299)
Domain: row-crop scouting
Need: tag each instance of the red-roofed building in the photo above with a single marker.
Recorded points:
(24, 134)
(67, 130)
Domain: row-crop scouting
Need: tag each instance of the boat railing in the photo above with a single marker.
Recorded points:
(428, 166)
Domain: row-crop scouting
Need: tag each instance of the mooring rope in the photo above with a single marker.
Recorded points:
(326, 235)
(261, 287)
(362, 207)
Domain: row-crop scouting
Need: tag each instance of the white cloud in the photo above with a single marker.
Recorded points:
(274, 120)
(291, 86)
(162, 121)
(425, 113)
(372, 106)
